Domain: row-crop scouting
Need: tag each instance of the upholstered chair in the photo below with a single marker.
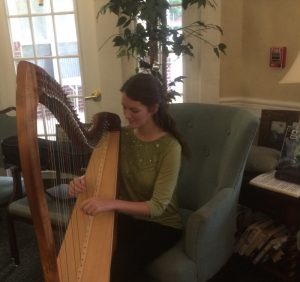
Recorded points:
(7, 128)
(219, 138)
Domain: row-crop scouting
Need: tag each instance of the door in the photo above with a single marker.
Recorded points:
(52, 34)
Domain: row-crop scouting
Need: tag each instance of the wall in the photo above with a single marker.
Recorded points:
(203, 69)
(246, 78)
(7, 72)
(231, 63)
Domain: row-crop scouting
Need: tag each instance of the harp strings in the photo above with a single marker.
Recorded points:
(67, 164)
(59, 170)
(64, 165)
(68, 161)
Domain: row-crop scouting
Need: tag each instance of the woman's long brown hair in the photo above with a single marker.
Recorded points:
(146, 89)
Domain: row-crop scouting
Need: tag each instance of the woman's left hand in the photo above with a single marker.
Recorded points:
(93, 206)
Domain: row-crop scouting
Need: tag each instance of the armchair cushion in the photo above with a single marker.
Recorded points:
(6, 189)
(59, 211)
(262, 159)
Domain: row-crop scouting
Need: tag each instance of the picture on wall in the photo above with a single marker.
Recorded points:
(273, 126)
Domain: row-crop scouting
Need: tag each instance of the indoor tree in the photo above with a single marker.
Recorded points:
(145, 35)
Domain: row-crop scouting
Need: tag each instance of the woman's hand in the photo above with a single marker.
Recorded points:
(94, 205)
(77, 186)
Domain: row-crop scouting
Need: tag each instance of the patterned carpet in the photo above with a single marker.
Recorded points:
(29, 269)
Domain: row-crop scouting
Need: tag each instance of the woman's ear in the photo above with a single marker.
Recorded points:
(153, 109)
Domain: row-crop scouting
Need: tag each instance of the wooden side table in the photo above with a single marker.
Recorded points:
(284, 209)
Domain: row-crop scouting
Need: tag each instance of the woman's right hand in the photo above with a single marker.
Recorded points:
(77, 186)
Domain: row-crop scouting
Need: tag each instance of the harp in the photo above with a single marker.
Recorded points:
(86, 249)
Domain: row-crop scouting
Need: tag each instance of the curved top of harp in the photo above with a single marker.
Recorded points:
(49, 92)
(35, 86)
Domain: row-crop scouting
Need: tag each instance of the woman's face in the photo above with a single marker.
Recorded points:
(137, 114)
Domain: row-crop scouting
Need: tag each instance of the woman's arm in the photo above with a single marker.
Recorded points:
(166, 181)
(94, 206)
(163, 191)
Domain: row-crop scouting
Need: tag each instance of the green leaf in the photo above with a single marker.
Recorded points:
(140, 28)
(184, 4)
(127, 23)
(103, 9)
(222, 47)
(190, 46)
(112, 6)
(216, 50)
(200, 23)
(121, 20)
(127, 33)
(201, 3)
(118, 41)
(179, 78)
(219, 28)
(122, 53)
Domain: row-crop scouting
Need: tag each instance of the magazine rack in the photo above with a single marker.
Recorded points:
(284, 209)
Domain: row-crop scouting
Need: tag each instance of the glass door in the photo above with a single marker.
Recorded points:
(45, 33)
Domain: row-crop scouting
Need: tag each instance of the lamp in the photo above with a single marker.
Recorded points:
(293, 75)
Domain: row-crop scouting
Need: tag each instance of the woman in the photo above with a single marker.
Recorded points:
(150, 155)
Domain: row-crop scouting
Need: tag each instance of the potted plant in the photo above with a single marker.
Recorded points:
(145, 35)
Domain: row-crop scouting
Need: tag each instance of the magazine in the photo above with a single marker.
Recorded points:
(269, 181)
(289, 162)
(290, 152)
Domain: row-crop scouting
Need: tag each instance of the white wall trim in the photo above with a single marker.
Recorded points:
(253, 103)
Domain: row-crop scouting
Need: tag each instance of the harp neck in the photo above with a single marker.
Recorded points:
(52, 95)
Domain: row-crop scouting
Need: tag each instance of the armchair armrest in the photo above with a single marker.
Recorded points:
(209, 238)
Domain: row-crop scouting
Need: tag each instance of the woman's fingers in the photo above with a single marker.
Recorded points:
(94, 206)
(90, 206)
(77, 186)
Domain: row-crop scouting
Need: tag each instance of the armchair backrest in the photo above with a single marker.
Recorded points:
(8, 126)
(219, 138)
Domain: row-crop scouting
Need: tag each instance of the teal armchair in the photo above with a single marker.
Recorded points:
(208, 189)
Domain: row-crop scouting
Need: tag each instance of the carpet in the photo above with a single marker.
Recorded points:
(29, 270)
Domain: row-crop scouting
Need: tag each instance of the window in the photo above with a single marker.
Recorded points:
(174, 63)
(44, 32)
